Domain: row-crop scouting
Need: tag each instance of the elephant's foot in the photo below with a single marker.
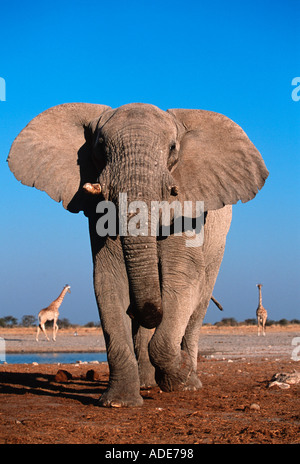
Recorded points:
(174, 382)
(181, 378)
(120, 396)
(147, 375)
(148, 381)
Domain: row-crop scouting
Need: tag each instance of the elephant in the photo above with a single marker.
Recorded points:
(152, 291)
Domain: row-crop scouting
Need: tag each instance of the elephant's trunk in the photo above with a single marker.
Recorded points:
(135, 168)
(141, 260)
(140, 251)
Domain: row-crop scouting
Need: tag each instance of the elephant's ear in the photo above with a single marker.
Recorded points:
(217, 162)
(52, 152)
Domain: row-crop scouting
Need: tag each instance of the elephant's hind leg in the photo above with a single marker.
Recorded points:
(141, 339)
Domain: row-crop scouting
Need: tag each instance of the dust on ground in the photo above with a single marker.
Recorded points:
(235, 405)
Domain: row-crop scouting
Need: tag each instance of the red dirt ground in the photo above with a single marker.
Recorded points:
(37, 408)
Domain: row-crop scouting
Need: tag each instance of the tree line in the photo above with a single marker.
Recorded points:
(31, 321)
(232, 322)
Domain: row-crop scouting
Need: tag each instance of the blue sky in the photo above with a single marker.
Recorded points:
(236, 58)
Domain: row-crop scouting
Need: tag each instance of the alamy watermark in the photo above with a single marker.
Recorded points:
(296, 351)
(296, 90)
(2, 350)
(2, 89)
(165, 219)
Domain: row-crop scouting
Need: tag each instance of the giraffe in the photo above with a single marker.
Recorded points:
(261, 314)
(51, 314)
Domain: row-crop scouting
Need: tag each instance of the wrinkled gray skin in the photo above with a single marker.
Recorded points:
(152, 292)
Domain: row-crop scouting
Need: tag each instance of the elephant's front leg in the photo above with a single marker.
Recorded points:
(182, 277)
(111, 290)
(174, 367)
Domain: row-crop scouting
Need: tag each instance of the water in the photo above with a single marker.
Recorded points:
(53, 358)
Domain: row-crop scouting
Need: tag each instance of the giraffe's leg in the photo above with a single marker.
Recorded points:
(55, 329)
(258, 326)
(37, 333)
(42, 326)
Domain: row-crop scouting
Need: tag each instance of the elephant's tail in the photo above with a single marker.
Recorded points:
(217, 303)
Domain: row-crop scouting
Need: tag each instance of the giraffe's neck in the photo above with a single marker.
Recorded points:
(259, 296)
(60, 298)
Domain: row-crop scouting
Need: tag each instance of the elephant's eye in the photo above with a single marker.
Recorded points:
(173, 155)
(172, 146)
(99, 149)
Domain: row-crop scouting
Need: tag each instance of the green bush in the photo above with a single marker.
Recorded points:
(28, 321)
(249, 322)
(227, 321)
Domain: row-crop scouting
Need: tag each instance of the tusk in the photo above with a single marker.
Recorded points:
(93, 189)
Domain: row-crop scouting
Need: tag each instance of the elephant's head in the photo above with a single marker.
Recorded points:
(145, 152)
